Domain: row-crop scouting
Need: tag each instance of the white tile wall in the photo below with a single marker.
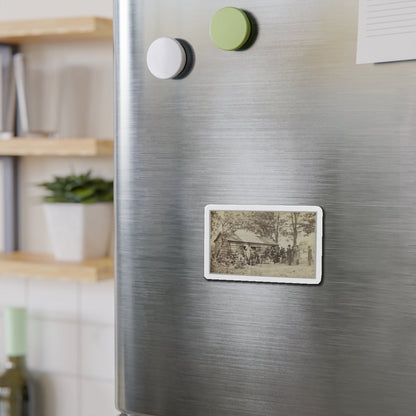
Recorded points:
(70, 343)
(97, 303)
(93, 389)
(12, 292)
(49, 298)
(97, 352)
(53, 346)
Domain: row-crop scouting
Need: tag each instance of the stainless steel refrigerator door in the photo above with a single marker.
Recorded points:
(292, 120)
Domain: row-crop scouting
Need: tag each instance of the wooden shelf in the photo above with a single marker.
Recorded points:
(44, 266)
(39, 30)
(56, 147)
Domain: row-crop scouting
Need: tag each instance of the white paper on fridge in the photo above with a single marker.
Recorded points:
(386, 31)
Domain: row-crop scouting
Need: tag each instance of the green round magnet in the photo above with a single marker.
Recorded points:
(230, 28)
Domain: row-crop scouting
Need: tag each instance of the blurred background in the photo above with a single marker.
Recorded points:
(70, 325)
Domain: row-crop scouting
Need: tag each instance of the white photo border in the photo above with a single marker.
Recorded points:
(265, 279)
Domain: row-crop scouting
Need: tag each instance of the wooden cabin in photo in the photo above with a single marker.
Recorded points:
(226, 245)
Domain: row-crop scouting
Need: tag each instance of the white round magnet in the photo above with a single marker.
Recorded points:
(166, 58)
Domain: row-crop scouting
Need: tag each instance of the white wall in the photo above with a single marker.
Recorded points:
(30, 9)
(71, 337)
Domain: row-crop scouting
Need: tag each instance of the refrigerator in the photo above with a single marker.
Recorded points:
(261, 109)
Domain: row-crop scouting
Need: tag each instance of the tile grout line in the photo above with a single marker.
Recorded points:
(74, 376)
(37, 317)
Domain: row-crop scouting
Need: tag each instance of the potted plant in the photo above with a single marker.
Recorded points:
(79, 216)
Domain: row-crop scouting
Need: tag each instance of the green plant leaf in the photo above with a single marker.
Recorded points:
(79, 189)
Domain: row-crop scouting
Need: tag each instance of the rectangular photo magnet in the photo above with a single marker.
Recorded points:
(263, 243)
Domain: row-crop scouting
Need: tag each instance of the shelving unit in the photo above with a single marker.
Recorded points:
(12, 262)
(42, 265)
(64, 29)
(56, 147)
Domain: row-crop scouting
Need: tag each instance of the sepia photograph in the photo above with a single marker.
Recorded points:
(263, 243)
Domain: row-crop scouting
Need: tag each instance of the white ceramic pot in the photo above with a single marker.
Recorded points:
(79, 231)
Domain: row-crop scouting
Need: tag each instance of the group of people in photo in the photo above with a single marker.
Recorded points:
(290, 255)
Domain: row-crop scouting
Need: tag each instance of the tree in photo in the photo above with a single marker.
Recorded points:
(301, 222)
(268, 224)
(226, 222)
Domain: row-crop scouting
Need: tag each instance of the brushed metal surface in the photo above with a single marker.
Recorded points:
(292, 120)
